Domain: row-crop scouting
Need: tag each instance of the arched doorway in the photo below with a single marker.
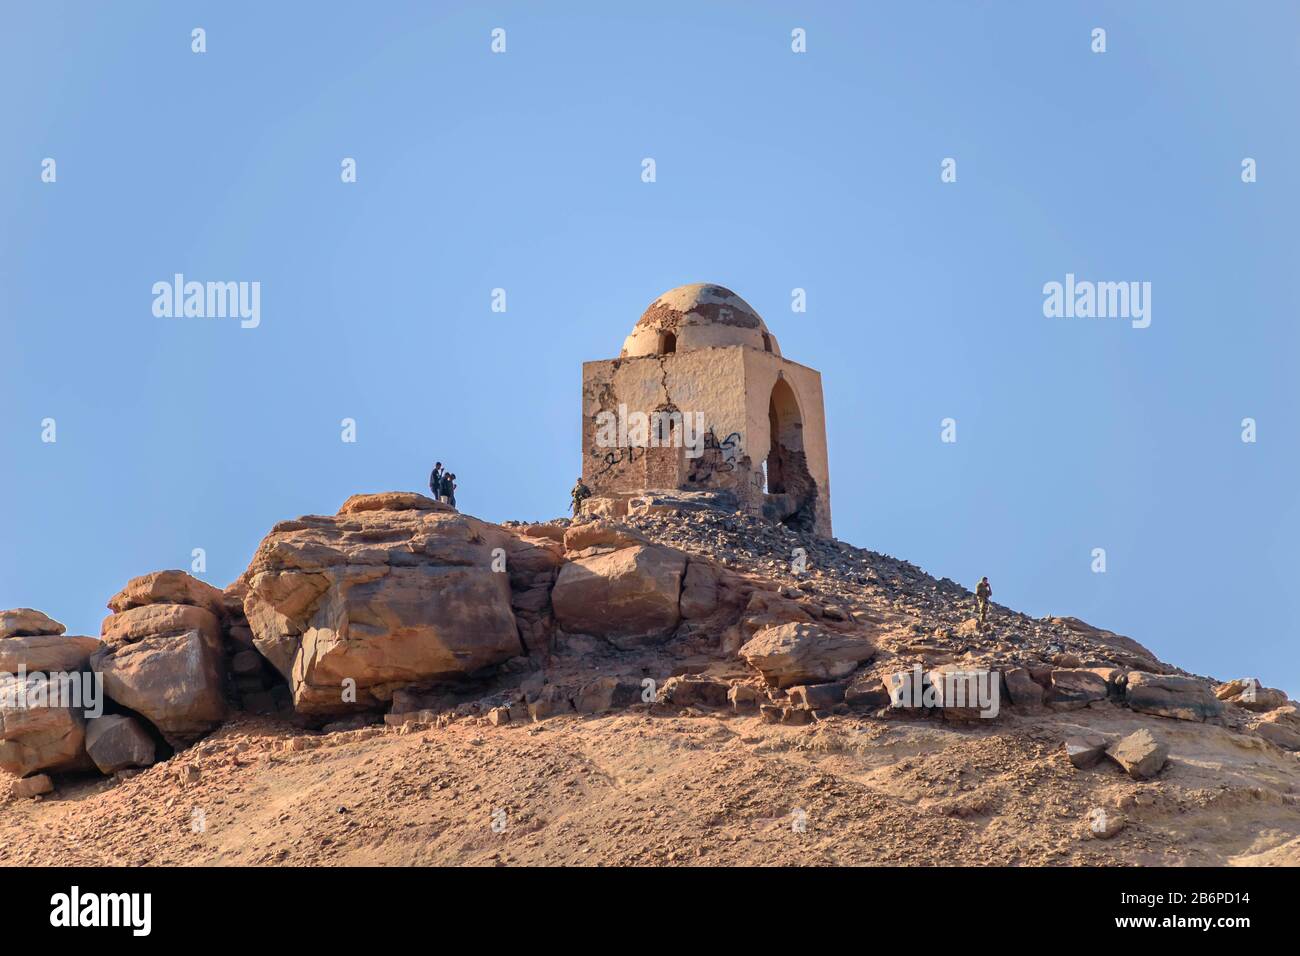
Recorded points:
(788, 478)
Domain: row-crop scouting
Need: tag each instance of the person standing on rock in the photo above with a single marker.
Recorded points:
(579, 494)
(435, 481)
(449, 489)
(982, 594)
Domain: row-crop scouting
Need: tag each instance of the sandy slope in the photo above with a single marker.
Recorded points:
(644, 788)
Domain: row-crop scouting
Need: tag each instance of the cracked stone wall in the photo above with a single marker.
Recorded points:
(733, 388)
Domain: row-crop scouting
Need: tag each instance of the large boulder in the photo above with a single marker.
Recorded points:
(46, 653)
(1073, 688)
(167, 587)
(699, 590)
(601, 534)
(688, 690)
(1140, 754)
(1026, 693)
(392, 501)
(395, 589)
(38, 730)
(1249, 693)
(115, 742)
(32, 786)
(629, 596)
(159, 620)
(27, 622)
(607, 693)
(1280, 726)
(1167, 695)
(35, 734)
(1084, 751)
(174, 681)
(796, 653)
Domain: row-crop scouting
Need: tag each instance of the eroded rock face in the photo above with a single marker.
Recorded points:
(791, 654)
(35, 734)
(1073, 688)
(1281, 727)
(32, 786)
(27, 622)
(116, 742)
(162, 657)
(166, 587)
(160, 620)
(38, 737)
(45, 653)
(1140, 754)
(630, 596)
(1026, 693)
(395, 589)
(1084, 751)
(1166, 695)
(173, 681)
(607, 693)
(1249, 693)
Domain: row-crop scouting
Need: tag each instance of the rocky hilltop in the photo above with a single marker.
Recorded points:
(401, 683)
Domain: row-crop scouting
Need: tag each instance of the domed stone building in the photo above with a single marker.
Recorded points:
(701, 400)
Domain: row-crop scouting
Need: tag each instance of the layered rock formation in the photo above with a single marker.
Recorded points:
(399, 604)
(395, 589)
(35, 732)
(162, 654)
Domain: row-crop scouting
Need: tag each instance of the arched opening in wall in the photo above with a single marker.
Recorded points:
(789, 482)
(667, 343)
(767, 342)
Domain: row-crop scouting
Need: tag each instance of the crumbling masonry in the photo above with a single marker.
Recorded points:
(701, 350)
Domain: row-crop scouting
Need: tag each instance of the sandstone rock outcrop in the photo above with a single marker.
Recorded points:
(26, 622)
(162, 654)
(1166, 695)
(174, 681)
(629, 596)
(1280, 726)
(160, 620)
(166, 587)
(607, 693)
(1140, 754)
(40, 737)
(37, 731)
(1249, 693)
(694, 691)
(791, 654)
(32, 786)
(1085, 751)
(1025, 693)
(115, 742)
(1073, 688)
(395, 589)
(45, 653)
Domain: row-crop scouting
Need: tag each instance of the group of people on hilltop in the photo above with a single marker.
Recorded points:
(442, 485)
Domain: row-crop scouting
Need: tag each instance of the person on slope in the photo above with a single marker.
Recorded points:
(982, 594)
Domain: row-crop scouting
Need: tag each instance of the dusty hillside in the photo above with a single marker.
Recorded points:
(646, 789)
(498, 768)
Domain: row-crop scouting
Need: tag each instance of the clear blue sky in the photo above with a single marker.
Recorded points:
(775, 171)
